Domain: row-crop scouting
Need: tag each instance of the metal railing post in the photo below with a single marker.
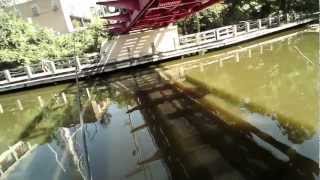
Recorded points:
(235, 30)
(28, 71)
(287, 18)
(259, 24)
(247, 25)
(7, 75)
(217, 34)
(78, 63)
(176, 42)
(52, 67)
(295, 17)
(129, 53)
(270, 20)
(198, 39)
(153, 47)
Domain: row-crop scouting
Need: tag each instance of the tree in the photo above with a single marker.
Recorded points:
(22, 42)
(233, 11)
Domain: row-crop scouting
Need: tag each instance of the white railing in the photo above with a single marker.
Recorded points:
(232, 31)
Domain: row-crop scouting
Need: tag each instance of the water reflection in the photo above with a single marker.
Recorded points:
(182, 120)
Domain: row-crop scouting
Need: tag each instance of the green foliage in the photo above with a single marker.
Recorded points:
(233, 11)
(22, 42)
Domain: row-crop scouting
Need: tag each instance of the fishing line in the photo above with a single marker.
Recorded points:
(80, 112)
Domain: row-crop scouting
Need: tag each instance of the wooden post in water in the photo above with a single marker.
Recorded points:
(40, 101)
(201, 67)
(1, 109)
(88, 93)
(19, 105)
(249, 53)
(220, 63)
(261, 49)
(271, 47)
(237, 57)
(7, 75)
(64, 98)
(28, 71)
(181, 72)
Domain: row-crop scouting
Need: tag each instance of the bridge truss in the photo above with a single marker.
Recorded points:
(137, 15)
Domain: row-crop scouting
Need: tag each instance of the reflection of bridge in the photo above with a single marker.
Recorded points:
(152, 46)
(195, 143)
(149, 14)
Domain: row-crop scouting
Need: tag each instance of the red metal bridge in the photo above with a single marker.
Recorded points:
(150, 14)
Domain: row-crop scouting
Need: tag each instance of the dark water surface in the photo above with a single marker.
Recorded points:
(247, 112)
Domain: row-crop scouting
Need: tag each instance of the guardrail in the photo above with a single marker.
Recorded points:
(57, 70)
(238, 29)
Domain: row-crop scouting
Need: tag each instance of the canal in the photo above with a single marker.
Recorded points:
(246, 112)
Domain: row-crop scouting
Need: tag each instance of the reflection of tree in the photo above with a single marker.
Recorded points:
(272, 86)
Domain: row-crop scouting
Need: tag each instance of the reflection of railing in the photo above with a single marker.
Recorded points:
(178, 71)
(13, 156)
(51, 71)
(60, 99)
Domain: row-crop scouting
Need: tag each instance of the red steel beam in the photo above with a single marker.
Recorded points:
(150, 14)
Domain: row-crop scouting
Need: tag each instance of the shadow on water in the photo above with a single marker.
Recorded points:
(197, 144)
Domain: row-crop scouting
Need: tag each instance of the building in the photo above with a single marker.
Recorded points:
(59, 15)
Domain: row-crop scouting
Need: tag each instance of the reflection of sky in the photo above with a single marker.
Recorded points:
(113, 152)
(278, 81)
(272, 127)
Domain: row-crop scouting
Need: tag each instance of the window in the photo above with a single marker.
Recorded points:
(35, 10)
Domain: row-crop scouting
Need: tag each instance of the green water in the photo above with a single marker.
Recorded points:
(249, 118)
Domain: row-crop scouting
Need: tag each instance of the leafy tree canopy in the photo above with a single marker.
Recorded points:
(233, 11)
(22, 42)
